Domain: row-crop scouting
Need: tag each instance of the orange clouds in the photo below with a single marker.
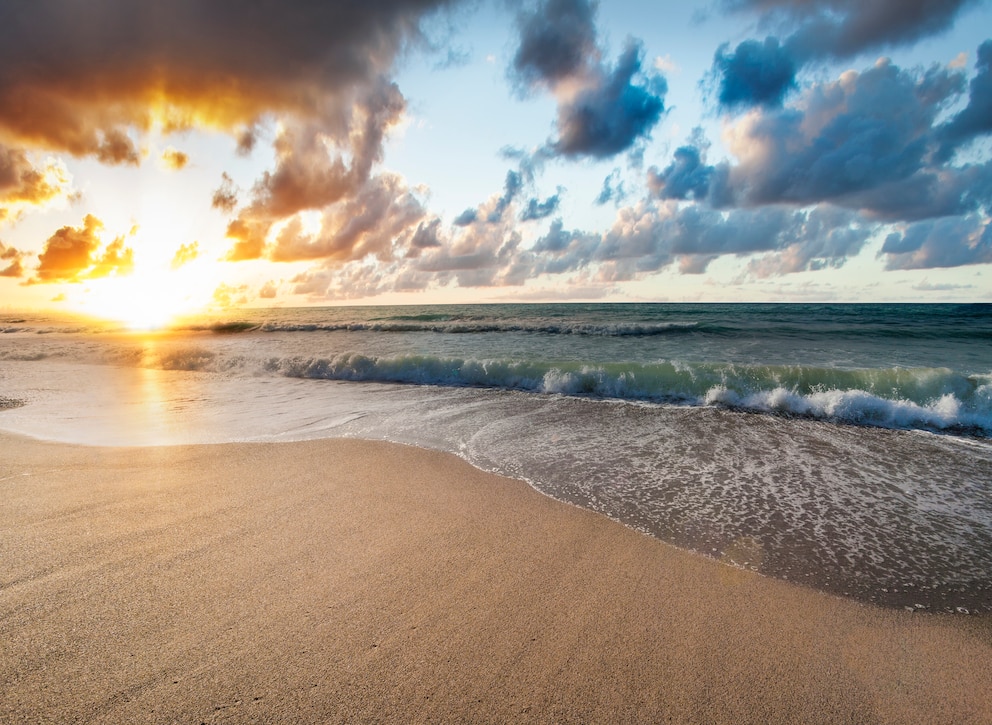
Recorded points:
(174, 159)
(86, 78)
(10, 261)
(22, 184)
(378, 221)
(71, 255)
(185, 254)
(97, 79)
(315, 171)
(226, 196)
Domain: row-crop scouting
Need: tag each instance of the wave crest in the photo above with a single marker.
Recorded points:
(931, 399)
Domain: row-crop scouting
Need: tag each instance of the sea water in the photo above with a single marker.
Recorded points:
(843, 447)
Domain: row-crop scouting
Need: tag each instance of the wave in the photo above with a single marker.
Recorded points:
(460, 326)
(936, 399)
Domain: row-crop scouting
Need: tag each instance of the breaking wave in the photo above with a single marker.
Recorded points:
(463, 327)
(935, 399)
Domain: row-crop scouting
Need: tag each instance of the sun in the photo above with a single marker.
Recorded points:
(152, 297)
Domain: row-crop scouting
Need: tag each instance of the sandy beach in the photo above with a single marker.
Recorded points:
(349, 581)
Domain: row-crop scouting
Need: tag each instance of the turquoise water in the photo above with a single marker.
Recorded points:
(844, 447)
(905, 366)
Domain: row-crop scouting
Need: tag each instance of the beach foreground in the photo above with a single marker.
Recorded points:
(343, 580)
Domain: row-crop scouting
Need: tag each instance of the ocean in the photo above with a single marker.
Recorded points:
(846, 448)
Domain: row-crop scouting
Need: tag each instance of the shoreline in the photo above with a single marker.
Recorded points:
(342, 579)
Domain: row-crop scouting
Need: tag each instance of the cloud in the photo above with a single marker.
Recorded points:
(756, 73)
(856, 133)
(173, 159)
(557, 41)
(493, 211)
(946, 242)
(976, 118)
(841, 29)
(613, 189)
(869, 143)
(925, 285)
(536, 209)
(511, 189)
(687, 176)
(315, 73)
(70, 255)
(382, 221)
(602, 110)
(185, 254)
(613, 111)
(268, 290)
(189, 65)
(644, 239)
(10, 261)
(226, 295)
(426, 236)
(225, 196)
(823, 237)
(315, 169)
(760, 73)
(24, 185)
(465, 218)
(864, 141)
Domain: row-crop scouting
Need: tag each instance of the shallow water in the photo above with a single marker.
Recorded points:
(898, 512)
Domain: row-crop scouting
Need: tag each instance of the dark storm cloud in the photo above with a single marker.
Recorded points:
(557, 41)
(868, 142)
(864, 141)
(761, 73)
(603, 110)
(976, 118)
(845, 28)
(91, 79)
(82, 77)
(854, 134)
(754, 74)
(613, 111)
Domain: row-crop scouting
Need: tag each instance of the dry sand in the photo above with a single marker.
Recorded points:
(347, 581)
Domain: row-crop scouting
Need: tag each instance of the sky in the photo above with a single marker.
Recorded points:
(158, 159)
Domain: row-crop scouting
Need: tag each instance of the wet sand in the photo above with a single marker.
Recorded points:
(349, 581)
